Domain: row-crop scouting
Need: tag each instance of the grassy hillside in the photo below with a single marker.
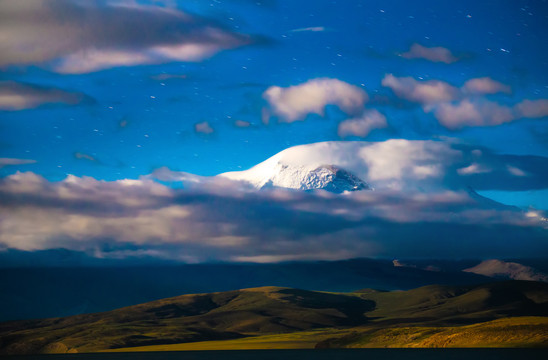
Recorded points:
(72, 290)
(274, 317)
(446, 305)
(188, 318)
(511, 332)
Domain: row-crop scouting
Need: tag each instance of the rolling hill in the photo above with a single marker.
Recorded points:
(297, 318)
(74, 288)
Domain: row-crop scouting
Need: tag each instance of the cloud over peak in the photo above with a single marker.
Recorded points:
(403, 165)
(215, 219)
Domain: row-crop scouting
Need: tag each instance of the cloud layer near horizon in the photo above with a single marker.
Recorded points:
(80, 37)
(224, 221)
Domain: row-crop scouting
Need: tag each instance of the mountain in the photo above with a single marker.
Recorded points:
(281, 170)
(90, 286)
(508, 270)
(242, 315)
(396, 164)
(333, 166)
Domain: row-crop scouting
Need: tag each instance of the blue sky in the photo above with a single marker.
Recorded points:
(103, 91)
(359, 45)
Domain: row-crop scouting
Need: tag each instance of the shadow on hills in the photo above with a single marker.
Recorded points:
(352, 307)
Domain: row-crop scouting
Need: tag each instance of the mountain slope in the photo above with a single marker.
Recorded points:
(396, 164)
(71, 290)
(272, 310)
(334, 166)
(188, 318)
(275, 172)
(508, 333)
(508, 270)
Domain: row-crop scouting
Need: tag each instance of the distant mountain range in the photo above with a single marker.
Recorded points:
(511, 313)
(70, 283)
(507, 270)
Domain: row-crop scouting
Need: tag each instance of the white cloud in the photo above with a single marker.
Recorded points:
(81, 37)
(14, 161)
(93, 60)
(472, 113)
(515, 171)
(422, 92)
(481, 112)
(123, 192)
(259, 226)
(435, 54)
(19, 96)
(203, 127)
(473, 168)
(90, 60)
(399, 163)
(310, 29)
(456, 108)
(362, 125)
(242, 123)
(212, 220)
(485, 85)
(296, 102)
(84, 156)
(532, 108)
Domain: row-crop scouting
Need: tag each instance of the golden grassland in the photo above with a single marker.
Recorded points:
(510, 332)
(503, 314)
(296, 340)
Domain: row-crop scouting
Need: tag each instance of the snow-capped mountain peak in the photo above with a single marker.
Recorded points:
(352, 165)
(326, 177)
(275, 172)
(396, 165)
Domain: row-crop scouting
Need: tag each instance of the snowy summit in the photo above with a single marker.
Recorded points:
(294, 168)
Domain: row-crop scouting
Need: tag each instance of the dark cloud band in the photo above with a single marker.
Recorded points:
(79, 37)
(231, 224)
